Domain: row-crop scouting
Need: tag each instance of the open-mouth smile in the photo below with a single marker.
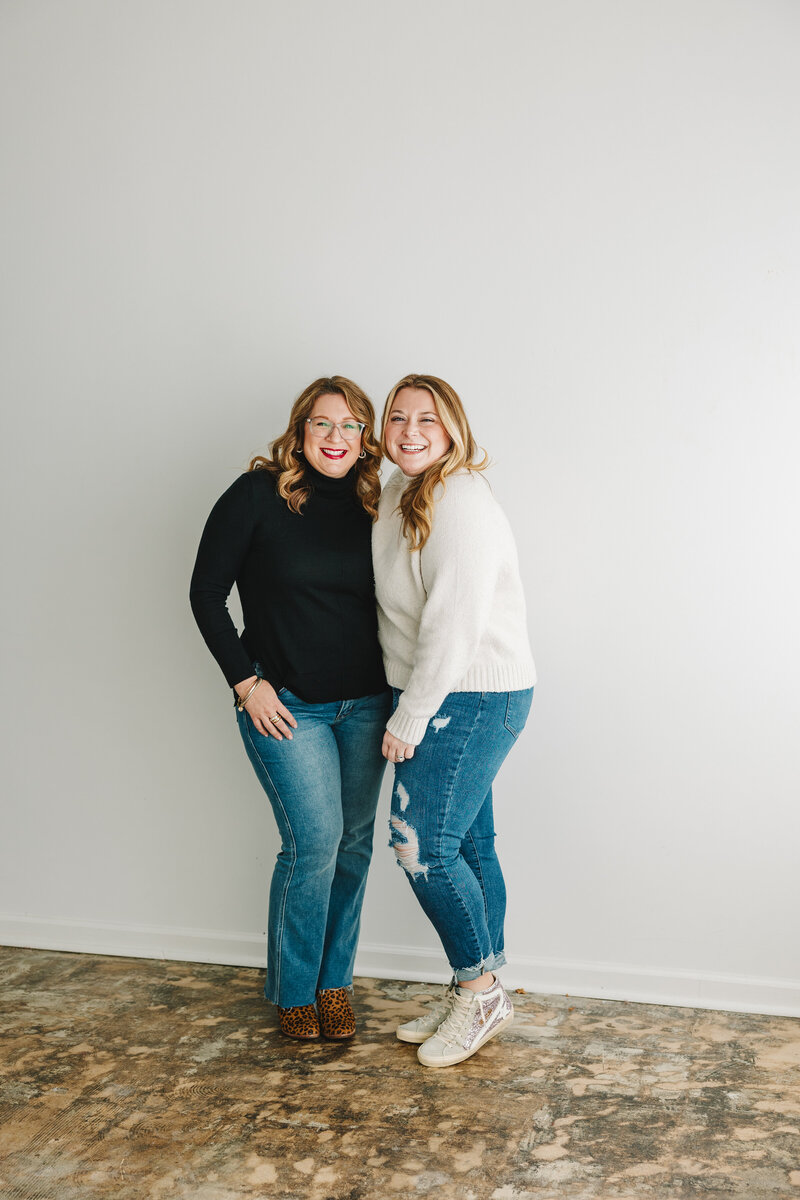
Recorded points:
(411, 448)
(334, 454)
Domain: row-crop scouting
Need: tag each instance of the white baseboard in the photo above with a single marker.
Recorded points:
(605, 981)
(136, 941)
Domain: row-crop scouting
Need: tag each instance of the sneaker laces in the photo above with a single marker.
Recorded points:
(450, 1030)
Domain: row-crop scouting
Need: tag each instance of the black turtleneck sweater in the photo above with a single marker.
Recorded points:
(306, 586)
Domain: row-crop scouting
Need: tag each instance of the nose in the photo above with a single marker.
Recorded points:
(335, 435)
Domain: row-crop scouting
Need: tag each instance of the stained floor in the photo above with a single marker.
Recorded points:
(136, 1079)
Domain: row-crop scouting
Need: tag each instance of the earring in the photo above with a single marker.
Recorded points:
(299, 450)
(363, 454)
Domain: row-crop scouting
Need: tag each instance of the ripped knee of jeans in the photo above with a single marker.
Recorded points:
(405, 843)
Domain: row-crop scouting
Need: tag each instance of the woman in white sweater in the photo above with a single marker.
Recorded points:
(451, 622)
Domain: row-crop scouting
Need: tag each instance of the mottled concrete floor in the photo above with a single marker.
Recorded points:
(134, 1079)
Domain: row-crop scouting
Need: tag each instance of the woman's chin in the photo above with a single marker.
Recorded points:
(335, 467)
(410, 464)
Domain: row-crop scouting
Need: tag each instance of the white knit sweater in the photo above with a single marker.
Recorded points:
(451, 617)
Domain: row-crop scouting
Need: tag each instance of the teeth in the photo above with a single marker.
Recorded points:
(411, 449)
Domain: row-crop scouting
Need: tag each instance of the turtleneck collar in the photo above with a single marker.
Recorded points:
(326, 485)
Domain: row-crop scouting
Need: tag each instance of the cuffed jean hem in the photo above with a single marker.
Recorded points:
(492, 963)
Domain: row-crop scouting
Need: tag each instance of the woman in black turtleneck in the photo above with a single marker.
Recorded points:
(293, 534)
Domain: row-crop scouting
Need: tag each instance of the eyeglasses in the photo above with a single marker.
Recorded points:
(321, 427)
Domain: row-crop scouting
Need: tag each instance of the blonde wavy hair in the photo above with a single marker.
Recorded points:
(417, 500)
(286, 460)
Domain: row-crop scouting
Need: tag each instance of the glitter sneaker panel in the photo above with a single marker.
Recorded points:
(474, 1016)
(474, 1019)
(489, 1013)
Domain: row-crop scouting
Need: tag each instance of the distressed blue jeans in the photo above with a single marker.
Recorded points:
(323, 786)
(442, 824)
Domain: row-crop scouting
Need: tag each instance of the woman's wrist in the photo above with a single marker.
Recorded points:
(410, 730)
(245, 696)
(243, 688)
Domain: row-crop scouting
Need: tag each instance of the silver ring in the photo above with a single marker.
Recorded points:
(400, 758)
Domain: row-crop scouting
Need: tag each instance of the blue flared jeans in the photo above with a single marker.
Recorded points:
(323, 786)
(442, 823)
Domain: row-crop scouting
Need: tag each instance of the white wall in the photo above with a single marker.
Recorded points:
(582, 214)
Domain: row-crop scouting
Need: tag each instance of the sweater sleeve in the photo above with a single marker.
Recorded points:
(223, 547)
(459, 564)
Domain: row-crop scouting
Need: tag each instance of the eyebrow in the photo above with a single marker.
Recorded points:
(429, 412)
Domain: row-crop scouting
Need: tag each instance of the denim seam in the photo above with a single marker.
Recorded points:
(480, 874)
(506, 720)
(284, 897)
(468, 920)
(515, 732)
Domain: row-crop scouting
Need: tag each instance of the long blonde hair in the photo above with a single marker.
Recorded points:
(417, 500)
(287, 463)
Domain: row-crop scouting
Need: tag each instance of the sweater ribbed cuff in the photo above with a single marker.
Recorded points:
(408, 729)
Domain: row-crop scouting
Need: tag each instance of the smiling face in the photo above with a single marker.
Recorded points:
(331, 455)
(415, 436)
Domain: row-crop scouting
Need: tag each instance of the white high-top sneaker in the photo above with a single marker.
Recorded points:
(420, 1029)
(474, 1018)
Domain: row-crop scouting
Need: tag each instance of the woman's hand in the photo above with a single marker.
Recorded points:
(394, 750)
(263, 706)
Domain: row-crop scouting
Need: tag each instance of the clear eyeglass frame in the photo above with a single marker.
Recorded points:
(321, 427)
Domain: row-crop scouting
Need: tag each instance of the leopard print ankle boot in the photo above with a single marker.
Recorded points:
(336, 1017)
(300, 1022)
